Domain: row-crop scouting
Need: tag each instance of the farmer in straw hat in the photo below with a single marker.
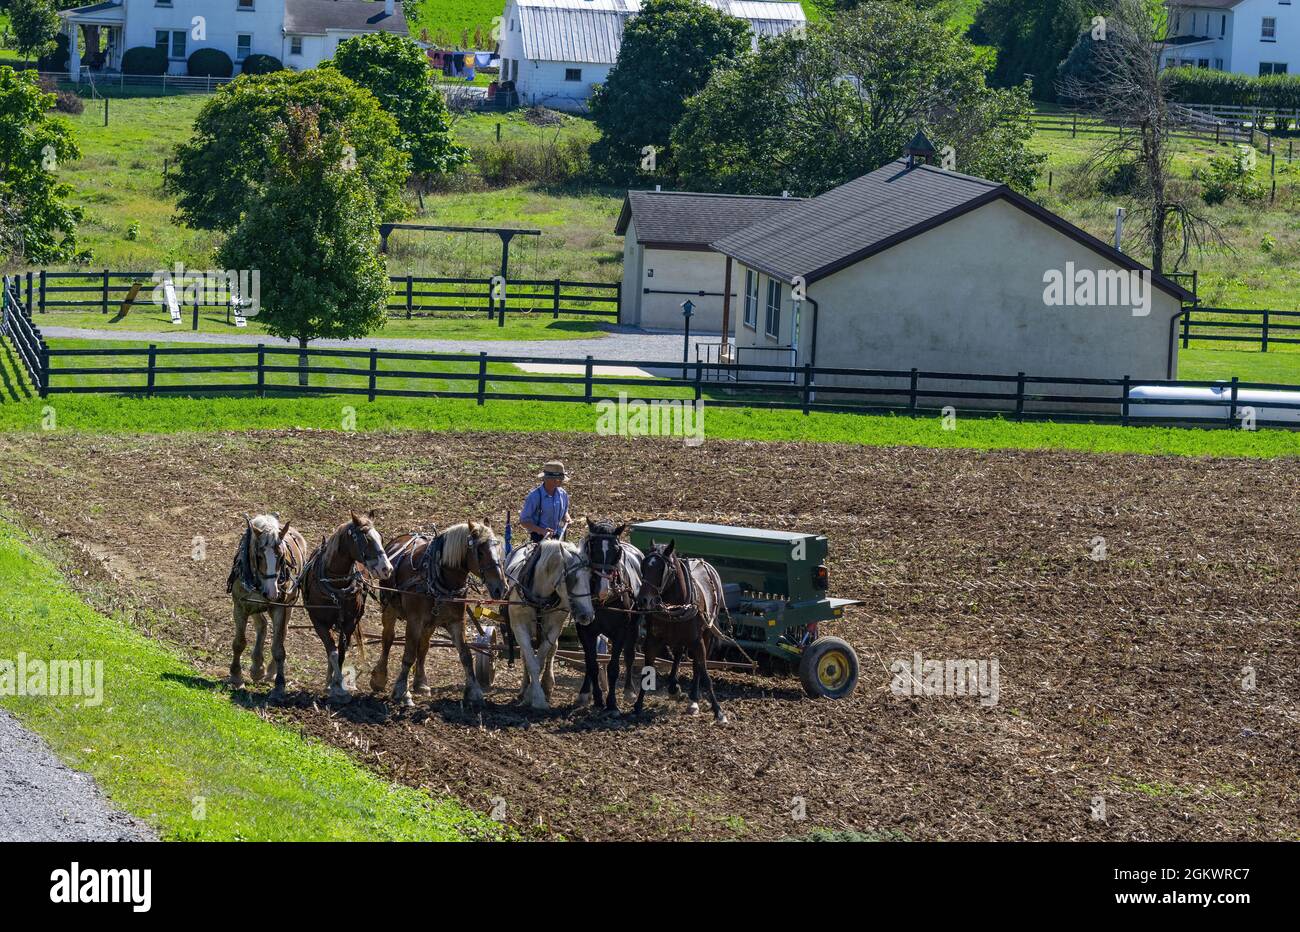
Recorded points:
(546, 509)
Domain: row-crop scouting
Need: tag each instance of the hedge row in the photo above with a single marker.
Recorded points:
(1204, 86)
(202, 63)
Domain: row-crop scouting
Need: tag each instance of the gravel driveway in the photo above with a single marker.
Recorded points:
(43, 800)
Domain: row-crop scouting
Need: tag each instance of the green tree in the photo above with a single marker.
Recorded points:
(1032, 37)
(32, 147)
(804, 115)
(312, 236)
(35, 24)
(220, 169)
(669, 51)
(396, 71)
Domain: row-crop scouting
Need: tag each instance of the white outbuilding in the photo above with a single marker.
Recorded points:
(556, 50)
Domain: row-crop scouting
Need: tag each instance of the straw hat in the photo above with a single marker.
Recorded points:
(553, 470)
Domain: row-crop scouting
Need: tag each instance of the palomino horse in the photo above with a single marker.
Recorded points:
(547, 582)
(264, 580)
(681, 600)
(334, 588)
(429, 584)
(615, 581)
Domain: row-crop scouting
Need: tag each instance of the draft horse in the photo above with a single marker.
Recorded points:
(681, 600)
(264, 580)
(546, 583)
(615, 581)
(429, 584)
(334, 589)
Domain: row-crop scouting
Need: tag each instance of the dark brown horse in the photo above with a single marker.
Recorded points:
(431, 579)
(615, 582)
(680, 600)
(334, 590)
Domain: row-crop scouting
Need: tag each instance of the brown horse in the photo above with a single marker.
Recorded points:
(680, 600)
(431, 579)
(334, 589)
(264, 580)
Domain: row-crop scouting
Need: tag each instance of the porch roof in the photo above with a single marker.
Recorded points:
(108, 13)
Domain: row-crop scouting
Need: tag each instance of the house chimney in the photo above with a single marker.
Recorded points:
(389, 7)
(920, 151)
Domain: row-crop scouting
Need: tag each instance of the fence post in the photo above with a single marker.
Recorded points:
(1124, 410)
(261, 370)
(586, 381)
(104, 293)
(555, 308)
(29, 294)
(1074, 126)
(482, 377)
(699, 380)
(410, 286)
(1020, 396)
(153, 363)
(1232, 408)
(195, 325)
(42, 291)
(491, 301)
(1187, 326)
(807, 386)
(501, 311)
(45, 369)
(1263, 342)
(374, 369)
(911, 392)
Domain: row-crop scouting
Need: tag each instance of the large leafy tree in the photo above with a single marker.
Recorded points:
(312, 236)
(221, 169)
(35, 24)
(669, 52)
(1032, 37)
(397, 72)
(32, 146)
(803, 115)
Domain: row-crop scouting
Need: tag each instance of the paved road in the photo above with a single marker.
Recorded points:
(619, 343)
(43, 800)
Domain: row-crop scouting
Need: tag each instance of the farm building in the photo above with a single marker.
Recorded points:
(667, 257)
(915, 266)
(555, 50)
(300, 33)
(1253, 37)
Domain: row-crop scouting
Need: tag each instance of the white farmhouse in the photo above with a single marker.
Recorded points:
(555, 50)
(300, 33)
(1254, 37)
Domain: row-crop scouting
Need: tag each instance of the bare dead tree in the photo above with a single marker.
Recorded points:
(1122, 87)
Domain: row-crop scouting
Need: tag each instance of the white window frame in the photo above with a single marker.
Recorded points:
(1268, 29)
(295, 45)
(772, 317)
(249, 7)
(750, 318)
(249, 37)
(172, 36)
(575, 72)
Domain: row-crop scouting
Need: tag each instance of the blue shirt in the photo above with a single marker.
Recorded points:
(548, 511)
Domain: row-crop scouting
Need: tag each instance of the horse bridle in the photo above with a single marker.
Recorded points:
(611, 572)
(674, 563)
(283, 575)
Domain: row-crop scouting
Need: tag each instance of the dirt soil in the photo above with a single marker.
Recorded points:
(1156, 680)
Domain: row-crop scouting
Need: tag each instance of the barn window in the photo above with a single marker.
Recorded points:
(751, 299)
(772, 324)
(295, 45)
(573, 74)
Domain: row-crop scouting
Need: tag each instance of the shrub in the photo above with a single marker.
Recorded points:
(261, 64)
(209, 63)
(68, 102)
(1232, 176)
(144, 60)
(1204, 86)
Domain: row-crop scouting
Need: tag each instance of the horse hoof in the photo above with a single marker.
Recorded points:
(276, 694)
(693, 708)
(378, 684)
(720, 718)
(235, 682)
(422, 689)
(584, 700)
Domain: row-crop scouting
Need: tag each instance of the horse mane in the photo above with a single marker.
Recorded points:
(266, 524)
(554, 557)
(456, 540)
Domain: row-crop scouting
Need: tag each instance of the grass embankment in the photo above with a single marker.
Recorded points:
(166, 744)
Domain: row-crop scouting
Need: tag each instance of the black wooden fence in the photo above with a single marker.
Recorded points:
(1241, 325)
(264, 370)
(411, 296)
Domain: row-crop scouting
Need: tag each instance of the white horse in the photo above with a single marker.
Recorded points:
(543, 596)
(264, 580)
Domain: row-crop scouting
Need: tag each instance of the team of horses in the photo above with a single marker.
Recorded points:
(605, 585)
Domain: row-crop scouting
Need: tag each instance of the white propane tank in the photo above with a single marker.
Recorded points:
(1217, 400)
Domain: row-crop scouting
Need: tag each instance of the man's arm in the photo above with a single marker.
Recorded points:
(527, 512)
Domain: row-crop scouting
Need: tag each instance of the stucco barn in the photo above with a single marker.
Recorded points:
(667, 258)
(912, 266)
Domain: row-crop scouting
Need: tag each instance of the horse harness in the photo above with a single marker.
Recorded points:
(429, 569)
(244, 572)
(688, 609)
(613, 574)
(341, 587)
(524, 583)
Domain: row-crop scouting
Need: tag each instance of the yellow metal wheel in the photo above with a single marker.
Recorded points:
(829, 668)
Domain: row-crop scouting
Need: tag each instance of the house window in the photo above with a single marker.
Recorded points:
(751, 299)
(173, 43)
(772, 323)
(295, 45)
(1218, 64)
(573, 74)
(243, 46)
(1272, 67)
(245, 4)
(1202, 63)
(162, 2)
(1268, 29)
(1223, 25)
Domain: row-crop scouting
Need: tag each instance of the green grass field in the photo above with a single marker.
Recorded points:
(172, 748)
